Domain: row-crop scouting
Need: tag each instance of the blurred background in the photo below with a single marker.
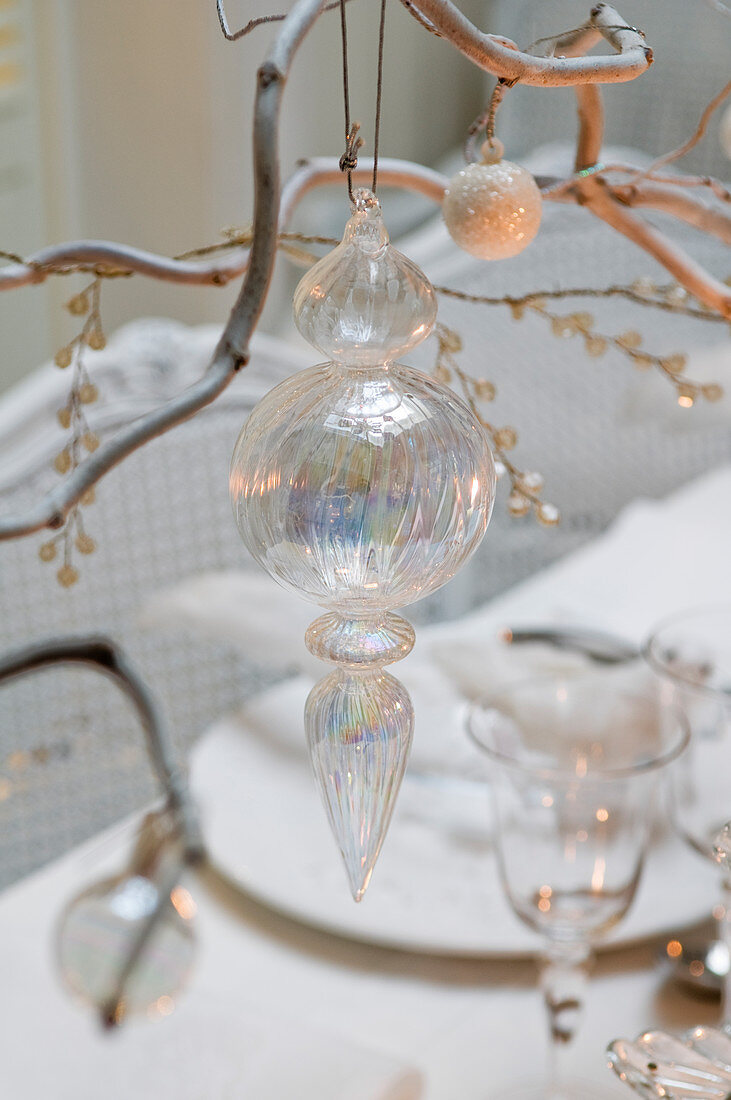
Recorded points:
(132, 122)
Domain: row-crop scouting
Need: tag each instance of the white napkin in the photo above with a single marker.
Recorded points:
(658, 557)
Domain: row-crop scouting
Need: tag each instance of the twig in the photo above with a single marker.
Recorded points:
(702, 285)
(670, 200)
(613, 291)
(501, 58)
(234, 36)
(231, 353)
(103, 655)
(692, 141)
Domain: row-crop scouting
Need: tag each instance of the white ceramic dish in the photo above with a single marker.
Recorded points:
(435, 888)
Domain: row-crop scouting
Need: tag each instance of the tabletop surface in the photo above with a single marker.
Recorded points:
(468, 1025)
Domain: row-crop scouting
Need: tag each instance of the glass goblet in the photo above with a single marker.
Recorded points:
(574, 764)
(691, 654)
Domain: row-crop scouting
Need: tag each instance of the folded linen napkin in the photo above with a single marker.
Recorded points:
(658, 557)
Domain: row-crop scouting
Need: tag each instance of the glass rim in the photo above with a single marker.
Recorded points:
(644, 766)
(649, 654)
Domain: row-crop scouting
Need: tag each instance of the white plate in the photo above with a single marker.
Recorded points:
(435, 888)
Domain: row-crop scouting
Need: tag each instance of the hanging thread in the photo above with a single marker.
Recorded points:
(353, 140)
(379, 92)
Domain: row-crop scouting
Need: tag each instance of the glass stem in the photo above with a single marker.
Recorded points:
(724, 934)
(564, 974)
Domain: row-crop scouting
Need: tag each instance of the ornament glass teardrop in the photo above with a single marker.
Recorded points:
(492, 209)
(362, 485)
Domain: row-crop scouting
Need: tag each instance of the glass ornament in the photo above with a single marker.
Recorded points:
(97, 938)
(492, 209)
(362, 485)
(126, 944)
(359, 728)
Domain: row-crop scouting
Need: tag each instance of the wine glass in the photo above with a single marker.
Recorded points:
(691, 654)
(574, 764)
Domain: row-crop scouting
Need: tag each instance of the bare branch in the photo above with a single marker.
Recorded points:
(118, 259)
(597, 197)
(672, 200)
(232, 351)
(104, 656)
(693, 140)
(233, 36)
(501, 58)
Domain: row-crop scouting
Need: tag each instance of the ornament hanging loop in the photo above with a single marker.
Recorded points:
(349, 160)
(492, 151)
(486, 121)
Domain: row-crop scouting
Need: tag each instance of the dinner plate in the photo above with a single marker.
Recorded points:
(435, 888)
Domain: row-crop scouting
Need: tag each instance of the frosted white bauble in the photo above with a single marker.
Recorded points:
(492, 209)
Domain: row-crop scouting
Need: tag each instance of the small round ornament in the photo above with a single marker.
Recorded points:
(362, 485)
(97, 939)
(126, 945)
(492, 209)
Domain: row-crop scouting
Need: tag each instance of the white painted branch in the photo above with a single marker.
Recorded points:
(588, 101)
(323, 171)
(596, 196)
(105, 254)
(499, 57)
(672, 200)
(232, 351)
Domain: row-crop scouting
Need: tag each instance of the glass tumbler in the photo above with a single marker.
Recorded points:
(574, 766)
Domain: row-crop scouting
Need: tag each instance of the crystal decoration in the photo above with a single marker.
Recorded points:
(126, 944)
(698, 1065)
(363, 485)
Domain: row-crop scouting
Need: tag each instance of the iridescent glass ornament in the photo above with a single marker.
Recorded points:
(362, 485)
(126, 945)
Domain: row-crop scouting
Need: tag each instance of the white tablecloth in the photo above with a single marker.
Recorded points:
(260, 980)
(272, 1001)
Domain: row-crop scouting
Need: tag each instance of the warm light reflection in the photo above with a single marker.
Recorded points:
(674, 949)
(163, 1006)
(602, 814)
(183, 902)
(597, 878)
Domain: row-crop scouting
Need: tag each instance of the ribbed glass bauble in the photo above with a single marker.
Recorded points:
(362, 485)
(364, 489)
